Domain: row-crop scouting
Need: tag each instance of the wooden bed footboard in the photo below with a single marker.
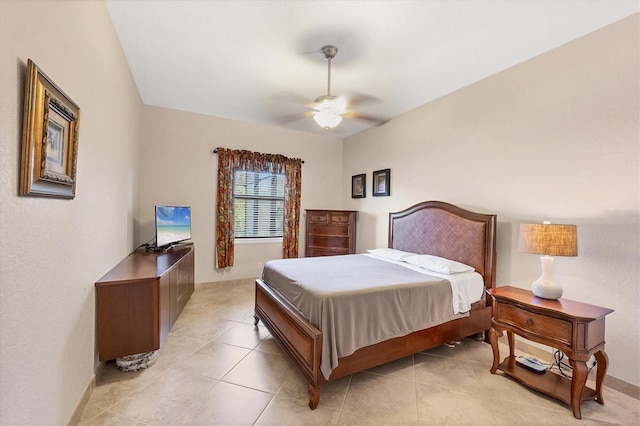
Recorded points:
(297, 337)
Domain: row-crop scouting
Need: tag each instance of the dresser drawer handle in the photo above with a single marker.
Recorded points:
(529, 322)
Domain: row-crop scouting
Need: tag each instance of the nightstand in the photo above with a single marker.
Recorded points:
(575, 328)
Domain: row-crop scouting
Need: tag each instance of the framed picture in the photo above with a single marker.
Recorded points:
(358, 186)
(381, 183)
(51, 121)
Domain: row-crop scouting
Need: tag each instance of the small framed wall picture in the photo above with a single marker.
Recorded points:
(358, 186)
(382, 183)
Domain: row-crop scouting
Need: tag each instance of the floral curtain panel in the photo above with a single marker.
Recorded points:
(231, 160)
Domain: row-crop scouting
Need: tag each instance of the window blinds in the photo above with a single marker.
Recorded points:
(258, 204)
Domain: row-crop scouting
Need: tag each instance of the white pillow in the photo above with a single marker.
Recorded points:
(437, 264)
(391, 254)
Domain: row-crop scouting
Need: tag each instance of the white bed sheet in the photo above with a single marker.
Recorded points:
(466, 287)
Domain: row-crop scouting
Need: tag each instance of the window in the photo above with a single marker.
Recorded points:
(258, 166)
(258, 200)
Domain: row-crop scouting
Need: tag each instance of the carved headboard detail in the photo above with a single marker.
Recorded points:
(442, 229)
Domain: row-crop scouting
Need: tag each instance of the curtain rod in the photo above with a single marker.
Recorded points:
(215, 151)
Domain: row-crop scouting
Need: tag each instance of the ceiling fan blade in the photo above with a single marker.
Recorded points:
(290, 118)
(356, 98)
(379, 121)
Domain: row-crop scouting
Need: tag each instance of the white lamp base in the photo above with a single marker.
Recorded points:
(543, 286)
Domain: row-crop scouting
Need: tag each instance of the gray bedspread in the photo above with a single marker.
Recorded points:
(357, 300)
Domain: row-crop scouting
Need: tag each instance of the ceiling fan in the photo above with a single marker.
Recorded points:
(329, 110)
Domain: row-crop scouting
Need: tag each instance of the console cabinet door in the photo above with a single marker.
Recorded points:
(126, 328)
(184, 283)
(164, 313)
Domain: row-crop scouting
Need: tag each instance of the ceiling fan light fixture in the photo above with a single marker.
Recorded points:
(337, 105)
(327, 119)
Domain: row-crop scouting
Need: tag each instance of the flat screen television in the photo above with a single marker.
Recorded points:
(173, 225)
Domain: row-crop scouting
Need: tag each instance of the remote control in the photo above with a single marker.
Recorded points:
(531, 363)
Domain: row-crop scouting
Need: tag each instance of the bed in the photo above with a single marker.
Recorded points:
(428, 228)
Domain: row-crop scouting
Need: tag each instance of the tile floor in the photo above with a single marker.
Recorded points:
(217, 368)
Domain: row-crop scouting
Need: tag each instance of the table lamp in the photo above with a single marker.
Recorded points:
(548, 240)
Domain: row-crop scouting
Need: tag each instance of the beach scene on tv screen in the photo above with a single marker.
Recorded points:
(173, 224)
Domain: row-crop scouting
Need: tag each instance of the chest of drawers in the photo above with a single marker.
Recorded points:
(330, 232)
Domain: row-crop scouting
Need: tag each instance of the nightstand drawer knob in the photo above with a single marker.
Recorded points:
(529, 322)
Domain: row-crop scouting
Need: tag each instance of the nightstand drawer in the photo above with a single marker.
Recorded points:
(544, 326)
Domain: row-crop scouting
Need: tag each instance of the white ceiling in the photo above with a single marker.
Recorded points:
(260, 61)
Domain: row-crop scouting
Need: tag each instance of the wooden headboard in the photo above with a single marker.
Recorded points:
(442, 229)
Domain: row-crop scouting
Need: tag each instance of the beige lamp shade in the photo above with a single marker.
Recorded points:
(548, 239)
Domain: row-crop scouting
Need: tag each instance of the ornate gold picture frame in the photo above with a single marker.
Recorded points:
(49, 138)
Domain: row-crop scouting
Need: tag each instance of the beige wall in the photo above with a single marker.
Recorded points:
(554, 138)
(52, 251)
(178, 168)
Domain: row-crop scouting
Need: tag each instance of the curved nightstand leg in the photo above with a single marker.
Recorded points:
(580, 373)
(493, 339)
(512, 345)
(256, 320)
(603, 360)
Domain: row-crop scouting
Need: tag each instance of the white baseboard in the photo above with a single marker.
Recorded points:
(75, 418)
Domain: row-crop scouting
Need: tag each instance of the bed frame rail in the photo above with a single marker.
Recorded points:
(477, 322)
